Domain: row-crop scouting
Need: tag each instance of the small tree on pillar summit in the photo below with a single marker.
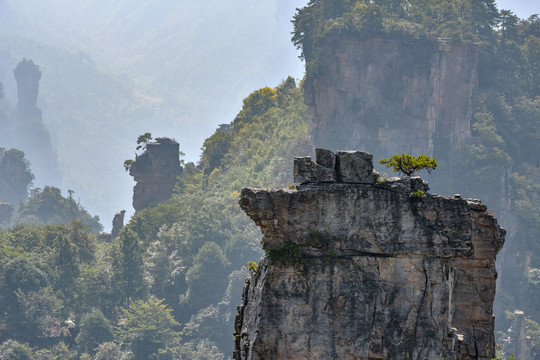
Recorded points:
(409, 165)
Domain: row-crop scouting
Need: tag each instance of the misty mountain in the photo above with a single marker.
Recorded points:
(112, 71)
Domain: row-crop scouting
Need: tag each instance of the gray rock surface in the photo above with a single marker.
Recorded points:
(304, 170)
(378, 93)
(117, 223)
(155, 172)
(379, 275)
(325, 158)
(355, 167)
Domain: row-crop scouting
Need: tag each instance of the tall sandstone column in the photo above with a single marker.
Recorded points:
(363, 269)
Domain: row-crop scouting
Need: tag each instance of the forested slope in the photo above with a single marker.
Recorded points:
(183, 261)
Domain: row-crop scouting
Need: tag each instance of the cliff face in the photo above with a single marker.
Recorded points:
(380, 93)
(26, 130)
(6, 212)
(357, 270)
(155, 172)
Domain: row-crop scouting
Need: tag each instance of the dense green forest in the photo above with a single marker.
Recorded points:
(167, 287)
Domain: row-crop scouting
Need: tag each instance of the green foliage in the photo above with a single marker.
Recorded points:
(95, 330)
(206, 277)
(58, 351)
(127, 164)
(109, 351)
(418, 194)
(214, 149)
(48, 206)
(142, 140)
(13, 350)
(128, 265)
(464, 21)
(149, 327)
(15, 175)
(252, 267)
(408, 164)
(288, 254)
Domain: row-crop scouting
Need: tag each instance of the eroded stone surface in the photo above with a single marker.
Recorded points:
(155, 172)
(355, 167)
(379, 93)
(117, 223)
(384, 275)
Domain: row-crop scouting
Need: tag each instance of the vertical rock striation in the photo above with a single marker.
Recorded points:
(379, 93)
(155, 172)
(364, 270)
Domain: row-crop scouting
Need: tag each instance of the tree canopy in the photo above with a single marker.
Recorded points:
(409, 165)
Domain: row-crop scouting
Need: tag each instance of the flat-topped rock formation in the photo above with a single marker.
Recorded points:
(359, 268)
(155, 172)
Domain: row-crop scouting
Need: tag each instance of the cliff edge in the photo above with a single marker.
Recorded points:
(363, 269)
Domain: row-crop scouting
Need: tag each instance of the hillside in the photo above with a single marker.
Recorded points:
(191, 251)
(114, 71)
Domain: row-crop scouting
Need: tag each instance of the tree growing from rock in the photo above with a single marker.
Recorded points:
(409, 165)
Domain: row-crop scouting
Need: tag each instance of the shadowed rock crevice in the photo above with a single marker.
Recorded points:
(382, 275)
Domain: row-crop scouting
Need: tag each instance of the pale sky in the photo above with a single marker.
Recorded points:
(522, 8)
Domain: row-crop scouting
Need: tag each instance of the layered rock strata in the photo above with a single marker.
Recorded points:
(360, 269)
(155, 172)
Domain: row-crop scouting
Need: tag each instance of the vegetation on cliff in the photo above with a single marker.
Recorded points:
(470, 20)
(499, 163)
(187, 257)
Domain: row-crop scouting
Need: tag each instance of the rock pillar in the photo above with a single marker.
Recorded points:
(364, 269)
(155, 172)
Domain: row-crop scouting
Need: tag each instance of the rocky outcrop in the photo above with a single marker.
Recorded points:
(117, 223)
(27, 130)
(155, 172)
(27, 75)
(6, 212)
(377, 94)
(364, 270)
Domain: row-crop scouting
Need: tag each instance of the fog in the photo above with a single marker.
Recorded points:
(112, 71)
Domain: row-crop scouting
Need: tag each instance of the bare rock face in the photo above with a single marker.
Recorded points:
(6, 212)
(379, 93)
(367, 271)
(117, 223)
(27, 75)
(155, 172)
(355, 167)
